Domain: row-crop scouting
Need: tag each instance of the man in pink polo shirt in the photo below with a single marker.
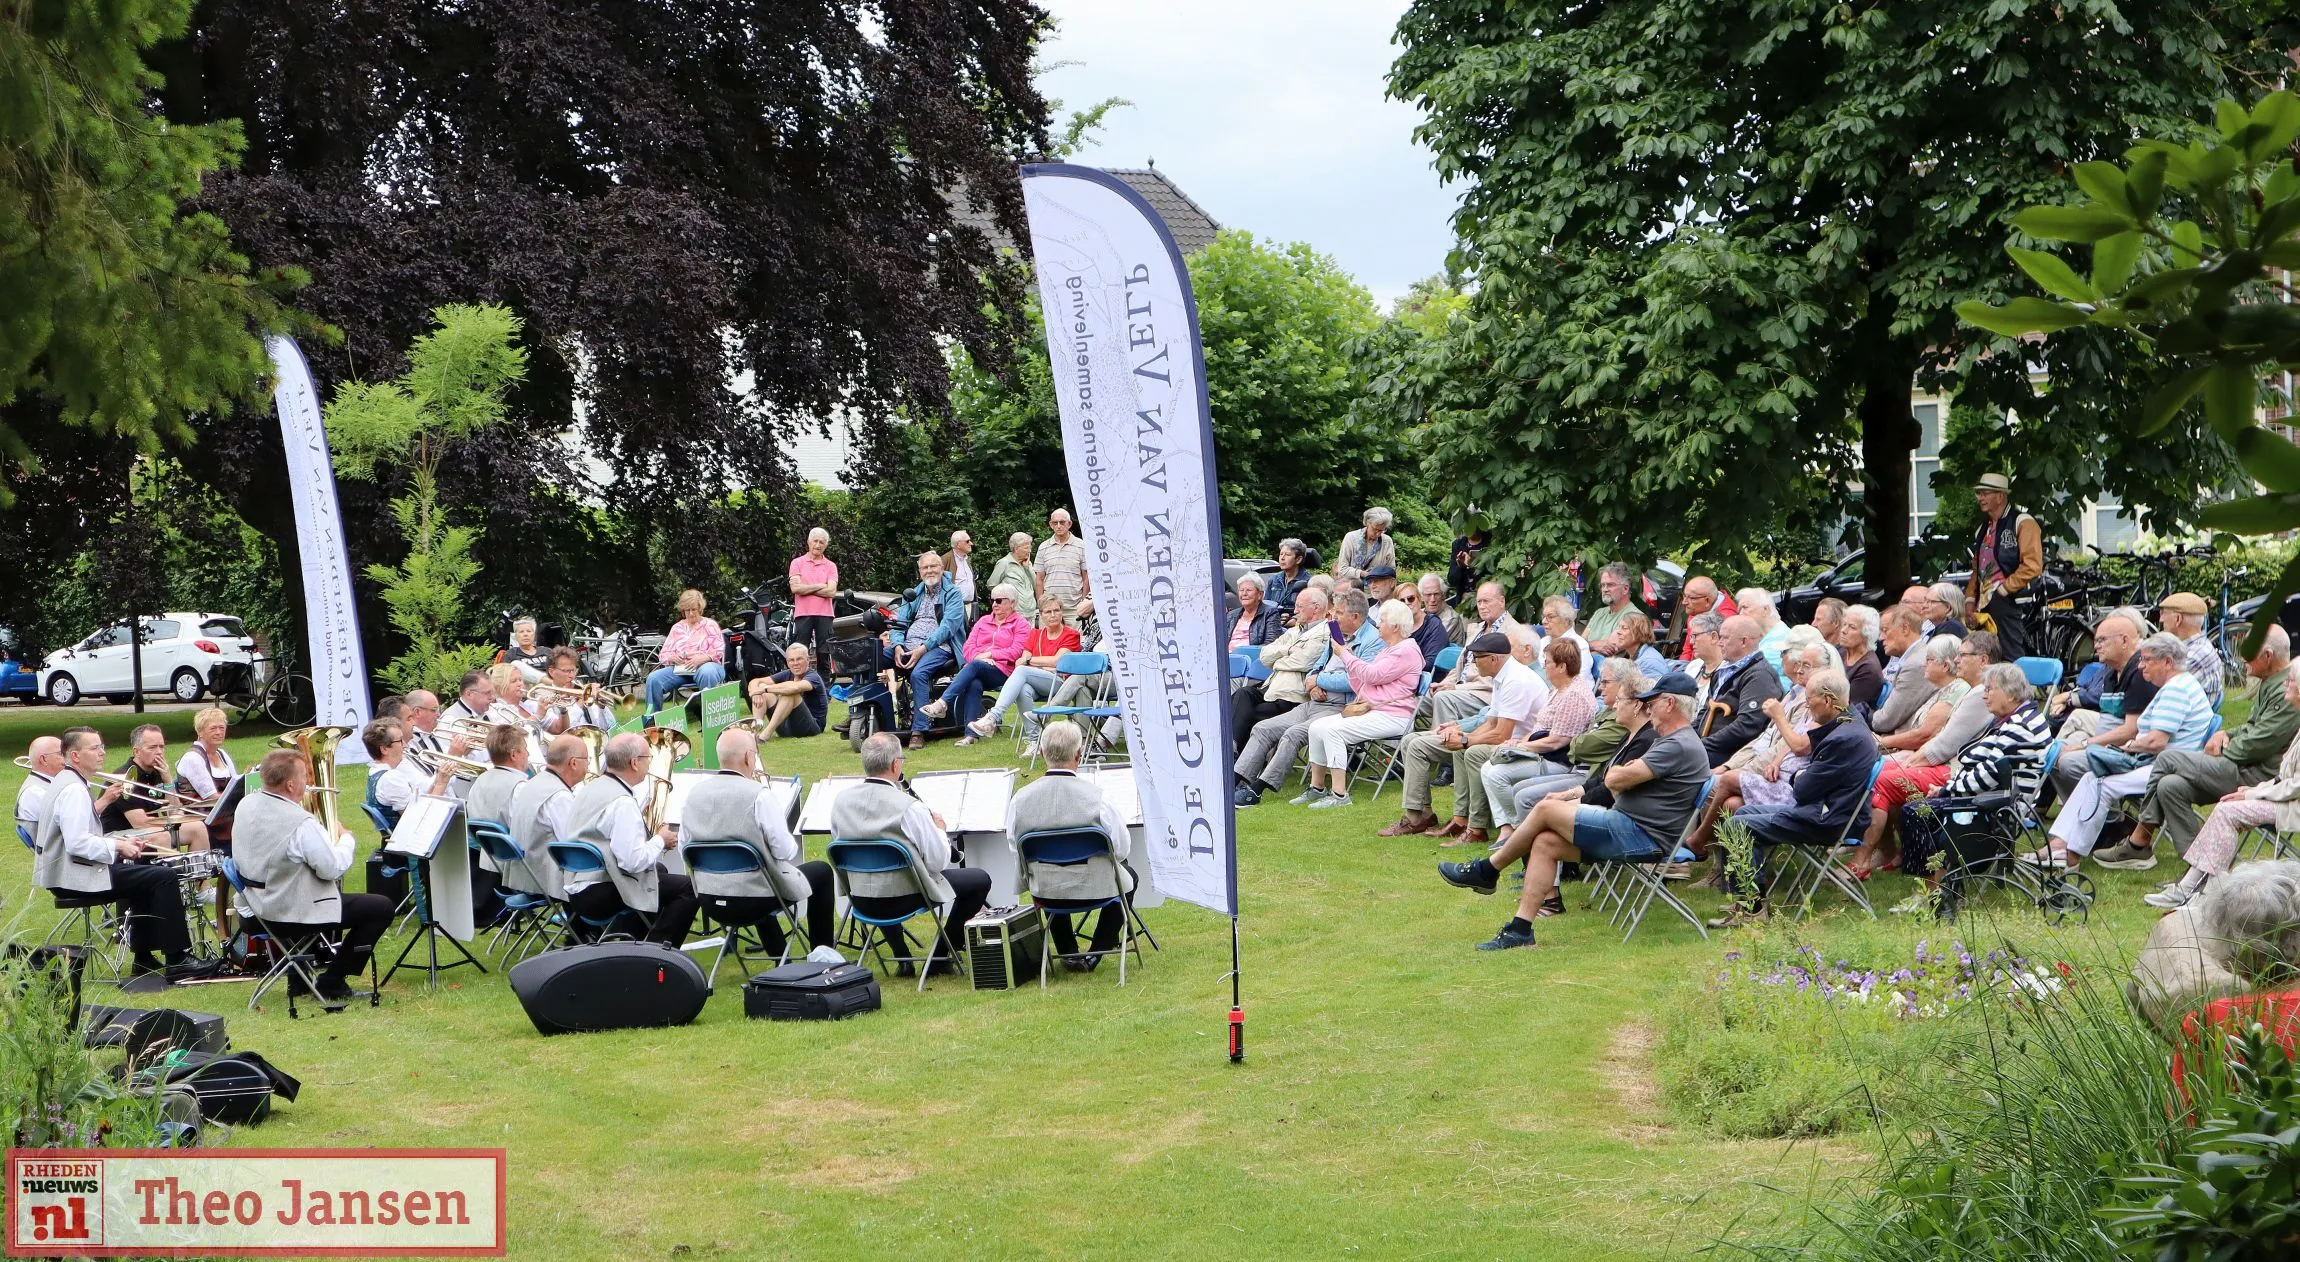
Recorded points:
(814, 580)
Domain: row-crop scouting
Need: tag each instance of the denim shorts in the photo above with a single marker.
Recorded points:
(1600, 833)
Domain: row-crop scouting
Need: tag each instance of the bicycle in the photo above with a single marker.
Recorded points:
(285, 697)
(2228, 633)
(618, 660)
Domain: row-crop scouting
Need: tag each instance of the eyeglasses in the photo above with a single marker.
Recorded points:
(1002, 600)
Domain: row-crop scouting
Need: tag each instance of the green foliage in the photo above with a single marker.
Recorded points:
(123, 313)
(1713, 248)
(453, 388)
(2233, 1189)
(2190, 246)
(53, 1092)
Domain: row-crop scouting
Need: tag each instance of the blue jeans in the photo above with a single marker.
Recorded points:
(1602, 833)
(660, 683)
(922, 673)
(968, 688)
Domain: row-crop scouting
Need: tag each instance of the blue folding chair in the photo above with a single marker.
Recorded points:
(1079, 848)
(715, 867)
(1447, 658)
(24, 835)
(883, 867)
(527, 913)
(294, 953)
(581, 863)
(1090, 716)
(1242, 663)
(1804, 869)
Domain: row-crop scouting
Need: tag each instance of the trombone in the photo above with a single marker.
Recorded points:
(159, 794)
(432, 760)
(585, 695)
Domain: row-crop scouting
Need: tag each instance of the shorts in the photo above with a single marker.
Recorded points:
(800, 722)
(1601, 833)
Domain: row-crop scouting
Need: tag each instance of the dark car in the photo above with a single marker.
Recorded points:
(1844, 580)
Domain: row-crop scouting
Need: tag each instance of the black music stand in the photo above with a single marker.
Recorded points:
(428, 824)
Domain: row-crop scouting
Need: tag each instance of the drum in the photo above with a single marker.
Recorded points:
(193, 866)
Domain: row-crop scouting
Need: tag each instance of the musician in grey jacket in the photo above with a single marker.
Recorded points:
(291, 868)
(538, 815)
(883, 808)
(1061, 801)
(735, 806)
(607, 812)
(73, 857)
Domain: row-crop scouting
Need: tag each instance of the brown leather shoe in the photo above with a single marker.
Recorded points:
(1452, 828)
(917, 741)
(1409, 823)
(1476, 837)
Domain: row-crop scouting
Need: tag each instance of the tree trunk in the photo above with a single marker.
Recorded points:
(1889, 435)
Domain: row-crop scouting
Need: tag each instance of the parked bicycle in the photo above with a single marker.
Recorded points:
(268, 684)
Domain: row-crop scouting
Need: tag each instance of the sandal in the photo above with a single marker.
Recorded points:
(1554, 905)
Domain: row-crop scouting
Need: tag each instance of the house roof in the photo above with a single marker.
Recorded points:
(1192, 227)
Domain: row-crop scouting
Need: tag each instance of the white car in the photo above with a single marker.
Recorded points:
(181, 650)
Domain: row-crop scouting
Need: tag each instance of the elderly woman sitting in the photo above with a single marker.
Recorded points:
(1760, 773)
(2273, 804)
(1033, 678)
(1255, 622)
(1013, 570)
(1856, 643)
(2251, 922)
(1910, 774)
(1385, 686)
(992, 649)
(1941, 672)
(1633, 636)
(2006, 758)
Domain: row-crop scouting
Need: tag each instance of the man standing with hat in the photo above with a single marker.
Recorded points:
(2183, 614)
(2008, 555)
(1519, 693)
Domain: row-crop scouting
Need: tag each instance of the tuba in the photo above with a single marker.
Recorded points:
(318, 745)
(666, 749)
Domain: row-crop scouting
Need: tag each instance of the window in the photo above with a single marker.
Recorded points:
(1923, 463)
(224, 628)
(158, 629)
(110, 637)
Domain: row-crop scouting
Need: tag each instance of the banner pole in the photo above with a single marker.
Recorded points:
(1237, 1006)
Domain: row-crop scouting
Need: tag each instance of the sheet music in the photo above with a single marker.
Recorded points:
(422, 826)
(971, 801)
(1118, 788)
(815, 816)
(682, 784)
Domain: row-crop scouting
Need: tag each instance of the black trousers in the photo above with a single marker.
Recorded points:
(969, 890)
(814, 631)
(365, 917)
(2012, 625)
(153, 899)
(1108, 925)
(675, 905)
(822, 909)
(1248, 708)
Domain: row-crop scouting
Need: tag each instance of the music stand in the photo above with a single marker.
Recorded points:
(428, 824)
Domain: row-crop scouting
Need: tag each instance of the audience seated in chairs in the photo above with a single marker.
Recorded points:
(1946, 687)
(1832, 789)
(1518, 698)
(1255, 622)
(1615, 587)
(2005, 760)
(2123, 687)
(1060, 801)
(1464, 692)
(880, 808)
(1908, 689)
(993, 648)
(2235, 758)
(1654, 791)
(1856, 640)
(1919, 760)
(1033, 679)
(1763, 772)
(2177, 717)
(929, 628)
(2272, 804)
(1297, 651)
(1772, 633)
(1431, 591)
(1270, 750)
(694, 653)
(1578, 728)
(1383, 709)
(1745, 682)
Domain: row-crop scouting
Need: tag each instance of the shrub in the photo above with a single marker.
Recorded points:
(2233, 1189)
(54, 1093)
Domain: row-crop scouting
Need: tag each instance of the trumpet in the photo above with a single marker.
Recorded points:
(473, 731)
(585, 695)
(433, 760)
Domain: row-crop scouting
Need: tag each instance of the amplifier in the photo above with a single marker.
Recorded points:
(1002, 945)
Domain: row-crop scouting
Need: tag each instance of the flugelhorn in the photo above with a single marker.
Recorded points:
(432, 760)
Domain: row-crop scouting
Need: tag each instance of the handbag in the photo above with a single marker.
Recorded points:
(1356, 708)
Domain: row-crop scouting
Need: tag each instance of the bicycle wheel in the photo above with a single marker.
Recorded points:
(628, 677)
(291, 701)
(2234, 678)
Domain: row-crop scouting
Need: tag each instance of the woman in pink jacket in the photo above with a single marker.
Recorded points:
(992, 649)
(1386, 686)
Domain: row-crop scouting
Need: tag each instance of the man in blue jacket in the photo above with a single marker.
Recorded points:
(929, 627)
(1270, 750)
(1834, 787)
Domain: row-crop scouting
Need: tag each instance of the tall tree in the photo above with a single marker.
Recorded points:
(120, 313)
(1716, 244)
(719, 220)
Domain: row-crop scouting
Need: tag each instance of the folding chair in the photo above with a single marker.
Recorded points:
(526, 910)
(1090, 716)
(1447, 658)
(1077, 848)
(881, 868)
(2044, 675)
(294, 953)
(740, 893)
(581, 863)
(1805, 868)
(1644, 882)
(1383, 758)
(97, 925)
(24, 835)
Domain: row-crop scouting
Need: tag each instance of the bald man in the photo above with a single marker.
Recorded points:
(608, 812)
(1699, 597)
(733, 805)
(47, 756)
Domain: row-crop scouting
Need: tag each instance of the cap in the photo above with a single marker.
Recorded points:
(1993, 482)
(2185, 602)
(1382, 571)
(1671, 681)
(1490, 642)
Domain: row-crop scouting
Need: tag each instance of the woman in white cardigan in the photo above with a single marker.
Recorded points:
(2271, 804)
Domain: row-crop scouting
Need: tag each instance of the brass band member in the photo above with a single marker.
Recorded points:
(421, 712)
(398, 779)
(476, 696)
(72, 856)
(134, 811)
(490, 799)
(292, 868)
(880, 807)
(606, 813)
(538, 812)
(565, 662)
(47, 758)
(207, 769)
(510, 705)
(734, 806)
(1060, 801)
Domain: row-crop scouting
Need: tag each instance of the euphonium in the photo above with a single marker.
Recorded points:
(317, 744)
(667, 748)
(594, 739)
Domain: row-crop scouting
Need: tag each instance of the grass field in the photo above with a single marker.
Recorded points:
(1403, 1096)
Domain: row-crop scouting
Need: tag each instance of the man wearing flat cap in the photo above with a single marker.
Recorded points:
(1381, 582)
(2008, 554)
(1519, 693)
(2183, 614)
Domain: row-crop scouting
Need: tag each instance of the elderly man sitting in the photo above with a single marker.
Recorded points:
(2179, 781)
(1431, 588)
(2109, 712)
(1465, 691)
(1699, 597)
(2182, 614)
(1745, 682)
(2270, 803)
(1060, 801)
(1270, 749)
(1831, 792)
(1903, 638)
(1297, 652)
(2177, 717)
(928, 629)
(1518, 696)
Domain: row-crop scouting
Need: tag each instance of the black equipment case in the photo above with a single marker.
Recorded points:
(807, 991)
(609, 986)
(139, 1029)
(1002, 947)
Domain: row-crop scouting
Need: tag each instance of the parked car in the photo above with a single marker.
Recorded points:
(1842, 580)
(1232, 567)
(181, 650)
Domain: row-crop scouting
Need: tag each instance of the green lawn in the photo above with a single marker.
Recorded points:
(1404, 1095)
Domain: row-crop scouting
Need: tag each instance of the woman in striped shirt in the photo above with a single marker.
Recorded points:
(2007, 757)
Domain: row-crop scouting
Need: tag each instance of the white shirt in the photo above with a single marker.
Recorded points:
(553, 814)
(1519, 693)
(396, 788)
(926, 838)
(76, 823)
(31, 800)
(193, 768)
(310, 846)
(1113, 826)
(772, 810)
(962, 569)
(635, 849)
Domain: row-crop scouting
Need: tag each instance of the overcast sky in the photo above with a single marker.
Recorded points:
(1271, 115)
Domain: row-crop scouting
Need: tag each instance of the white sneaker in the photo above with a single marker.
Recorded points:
(2170, 898)
(1307, 796)
(1030, 752)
